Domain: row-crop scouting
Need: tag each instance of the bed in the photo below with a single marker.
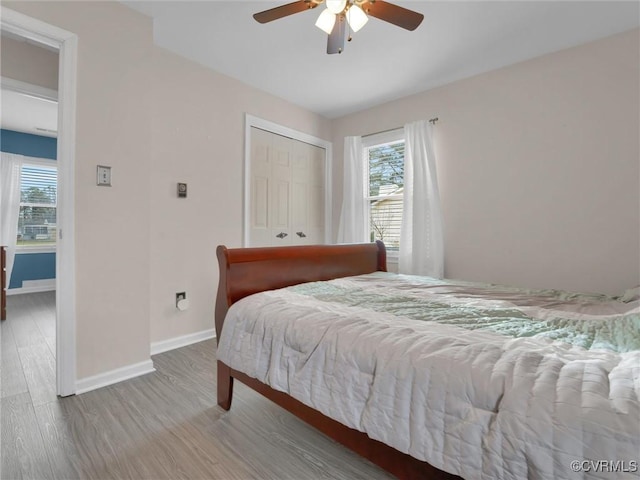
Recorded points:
(433, 379)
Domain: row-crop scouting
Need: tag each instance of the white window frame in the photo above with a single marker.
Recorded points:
(390, 136)
(22, 249)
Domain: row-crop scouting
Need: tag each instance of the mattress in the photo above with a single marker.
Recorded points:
(482, 381)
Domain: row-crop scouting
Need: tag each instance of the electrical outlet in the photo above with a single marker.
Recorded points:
(180, 296)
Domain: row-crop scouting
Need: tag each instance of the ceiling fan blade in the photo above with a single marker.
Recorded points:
(284, 11)
(391, 13)
(335, 42)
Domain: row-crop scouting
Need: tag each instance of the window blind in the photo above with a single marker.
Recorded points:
(38, 199)
(39, 185)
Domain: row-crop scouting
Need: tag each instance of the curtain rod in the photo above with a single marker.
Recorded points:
(432, 121)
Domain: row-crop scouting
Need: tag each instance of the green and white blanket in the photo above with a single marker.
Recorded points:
(481, 381)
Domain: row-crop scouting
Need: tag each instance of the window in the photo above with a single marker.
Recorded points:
(38, 199)
(384, 154)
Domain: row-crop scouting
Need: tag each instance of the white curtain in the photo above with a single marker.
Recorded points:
(421, 240)
(353, 225)
(10, 167)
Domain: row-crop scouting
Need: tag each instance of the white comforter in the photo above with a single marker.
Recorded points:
(473, 403)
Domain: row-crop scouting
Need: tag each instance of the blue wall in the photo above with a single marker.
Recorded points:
(27, 144)
(30, 266)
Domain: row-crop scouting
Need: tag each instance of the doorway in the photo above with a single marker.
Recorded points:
(28, 139)
(20, 26)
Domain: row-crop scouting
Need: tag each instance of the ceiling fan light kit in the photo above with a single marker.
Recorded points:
(336, 6)
(338, 12)
(356, 18)
(326, 21)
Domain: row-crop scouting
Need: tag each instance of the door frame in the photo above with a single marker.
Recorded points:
(67, 45)
(252, 121)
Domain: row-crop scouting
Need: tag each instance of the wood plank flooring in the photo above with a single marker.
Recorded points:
(165, 425)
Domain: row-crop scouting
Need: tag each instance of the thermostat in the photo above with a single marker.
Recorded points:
(182, 190)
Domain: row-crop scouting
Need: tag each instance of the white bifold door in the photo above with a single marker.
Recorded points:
(287, 182)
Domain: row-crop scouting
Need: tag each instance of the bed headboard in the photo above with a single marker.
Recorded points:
(245, 271)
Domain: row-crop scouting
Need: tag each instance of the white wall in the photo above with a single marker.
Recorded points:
(539, 167)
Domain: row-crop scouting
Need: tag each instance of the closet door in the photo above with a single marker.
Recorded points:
(260, 204)
(281, 159)
(307, 205)
(286, 204)
(300, 193)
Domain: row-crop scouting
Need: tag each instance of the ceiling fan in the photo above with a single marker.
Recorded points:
(341, 14)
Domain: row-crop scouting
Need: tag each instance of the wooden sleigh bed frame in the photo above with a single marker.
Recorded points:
(245, 271)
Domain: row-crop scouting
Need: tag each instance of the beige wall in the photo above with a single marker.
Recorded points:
(198, 138)
(156, 119)
(539, 167)
(41, 70)
(112, 224)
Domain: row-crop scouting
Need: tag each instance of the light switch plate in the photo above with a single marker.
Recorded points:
(104, 176)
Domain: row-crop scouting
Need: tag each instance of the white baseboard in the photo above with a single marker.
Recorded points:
(34, 286)
(114, 376)
(182, 341)
(130, 371)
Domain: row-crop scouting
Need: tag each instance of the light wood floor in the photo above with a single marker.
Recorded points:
(165, 425)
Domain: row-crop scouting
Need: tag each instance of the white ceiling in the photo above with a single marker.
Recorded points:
(457, 39)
